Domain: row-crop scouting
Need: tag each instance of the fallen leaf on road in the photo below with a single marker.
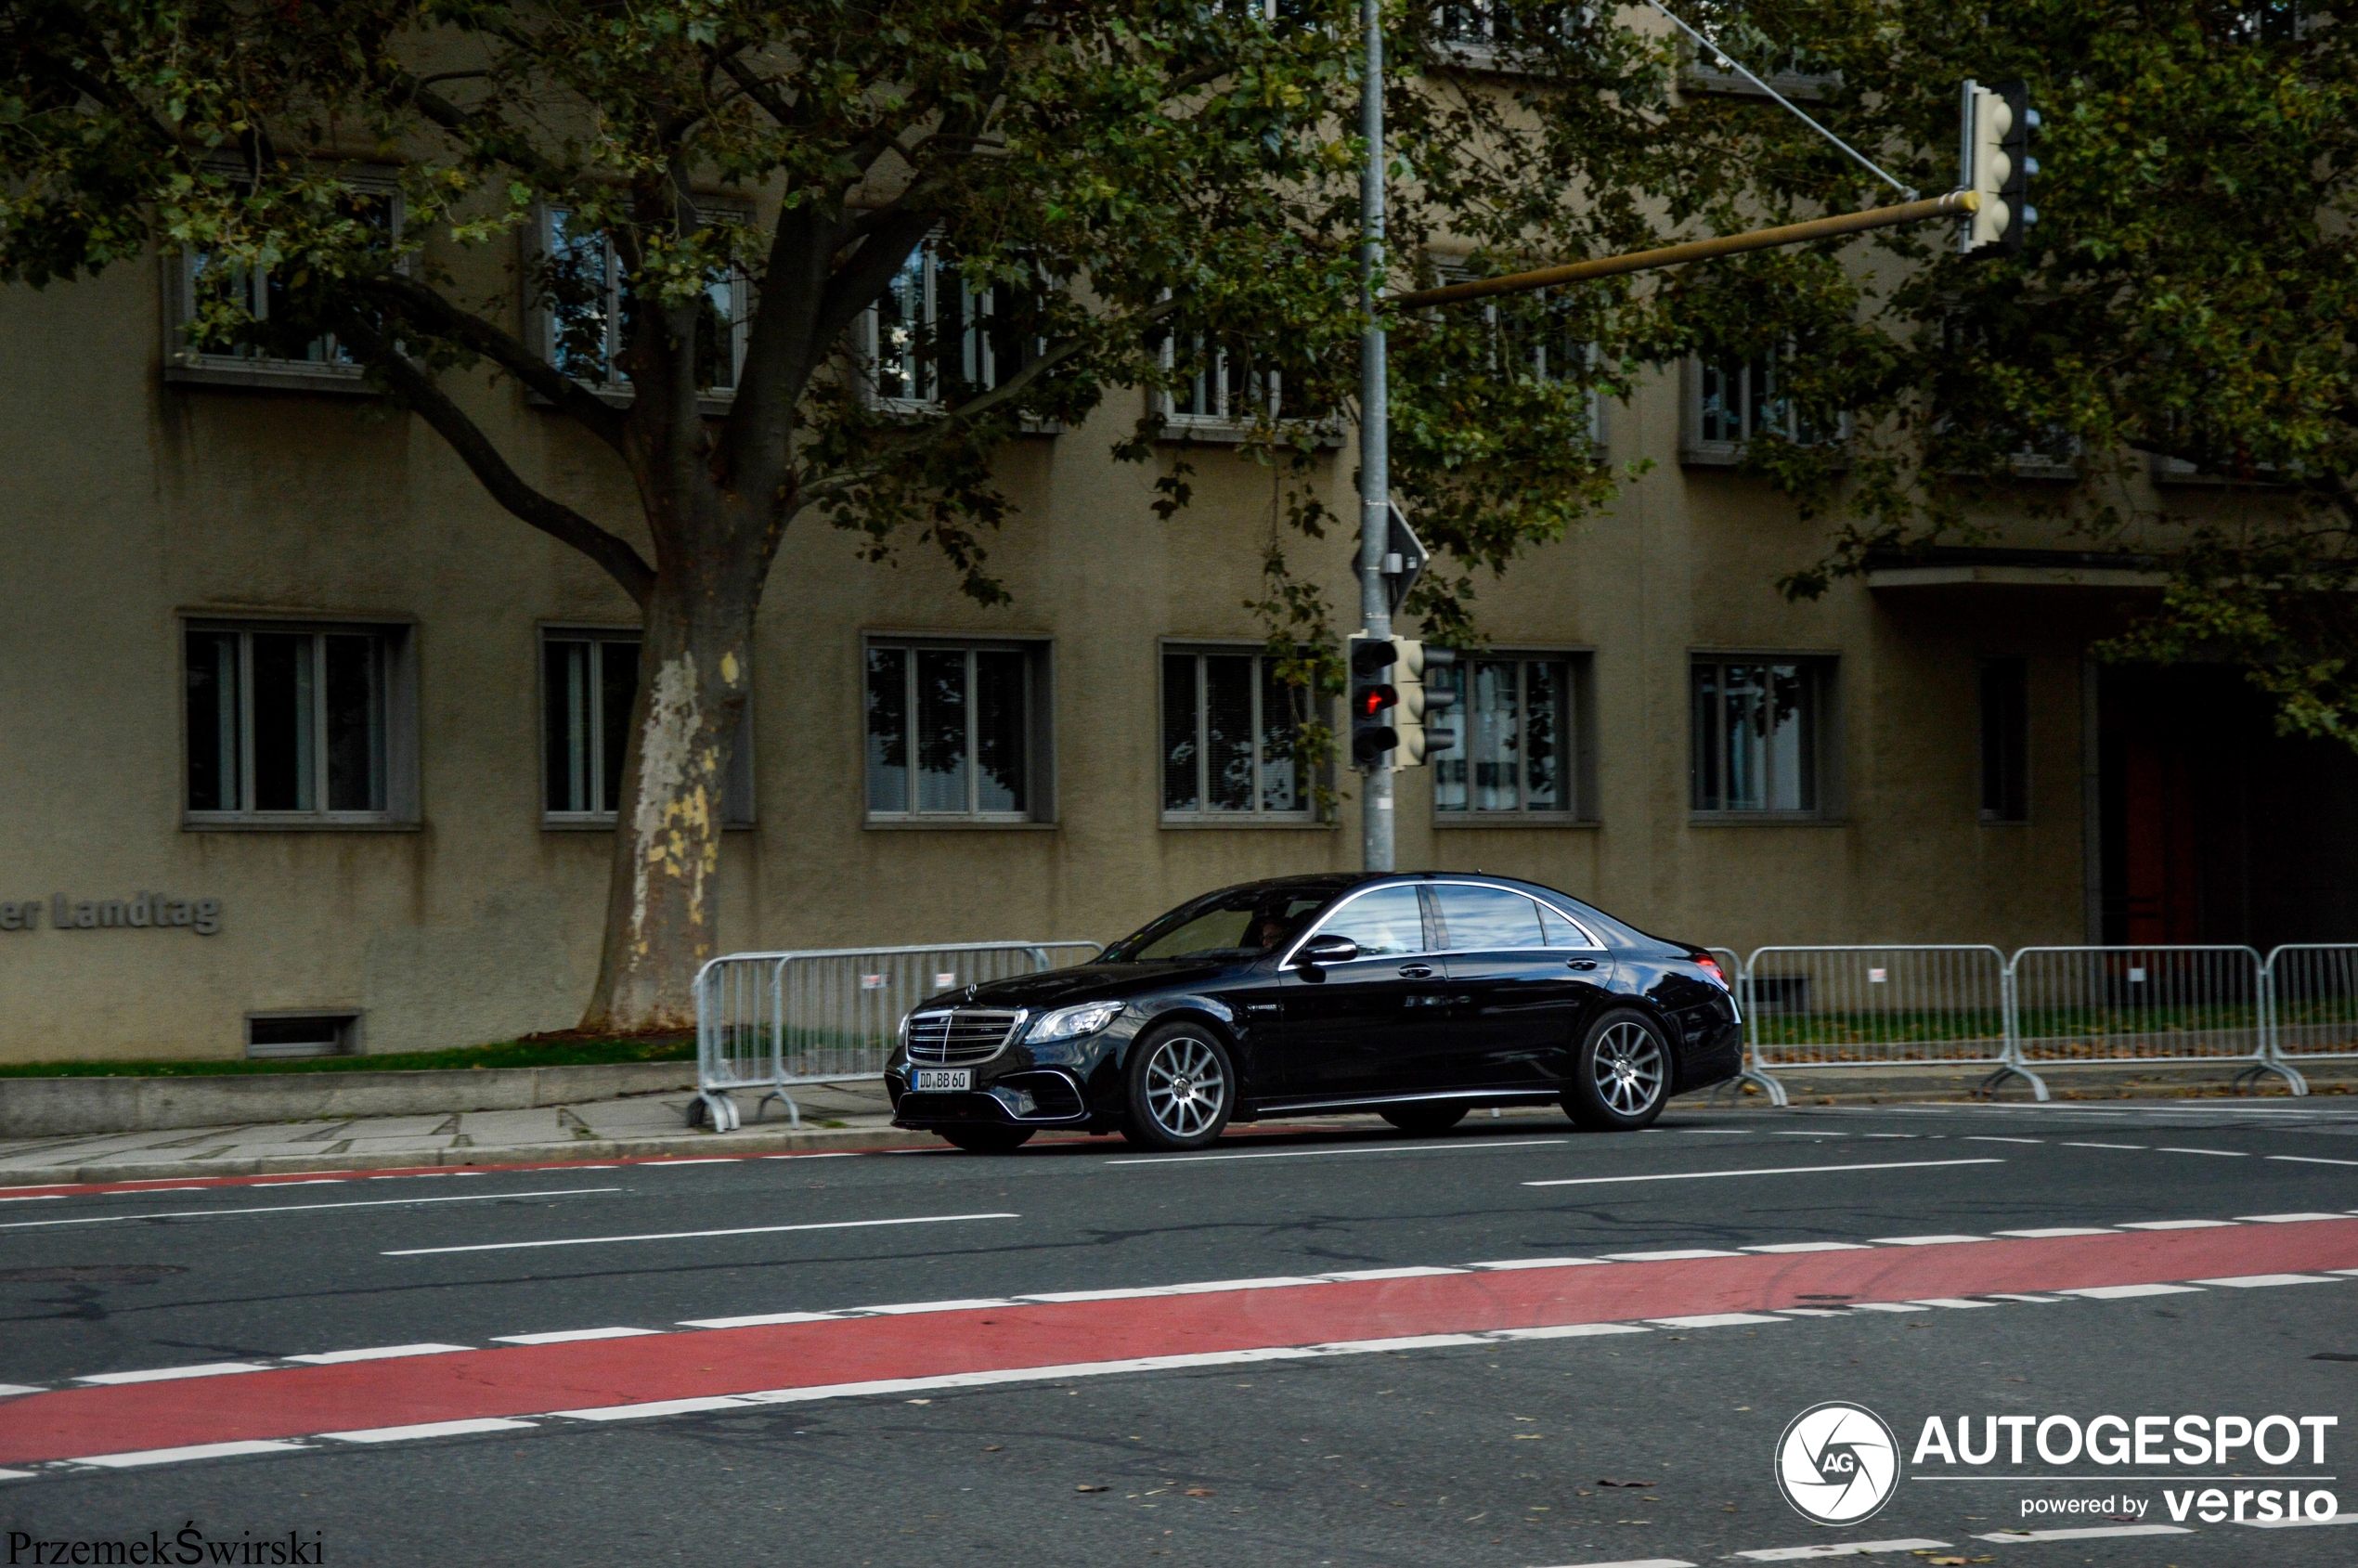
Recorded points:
(1202, 1492)
(1084, 1486)
(1602, 1483)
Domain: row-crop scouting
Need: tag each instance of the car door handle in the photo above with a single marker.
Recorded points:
(1583, 963)
(1416, 971)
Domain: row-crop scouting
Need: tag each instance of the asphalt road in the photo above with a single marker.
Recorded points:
(1490, 1440)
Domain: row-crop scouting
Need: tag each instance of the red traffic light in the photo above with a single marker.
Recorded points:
(1373, 700)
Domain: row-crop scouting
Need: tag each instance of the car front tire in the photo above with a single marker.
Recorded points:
(1180, 1087)
(988, 1139)
(1621, 1077)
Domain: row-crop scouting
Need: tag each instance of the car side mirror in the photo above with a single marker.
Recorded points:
(1327, 948)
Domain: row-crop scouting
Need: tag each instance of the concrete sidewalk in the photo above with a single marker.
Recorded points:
(833, 1116)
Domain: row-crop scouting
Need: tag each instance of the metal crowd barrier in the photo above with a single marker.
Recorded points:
(771, 1020)
(1973, 1005)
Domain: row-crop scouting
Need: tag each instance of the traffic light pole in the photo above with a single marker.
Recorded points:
(1376, 815)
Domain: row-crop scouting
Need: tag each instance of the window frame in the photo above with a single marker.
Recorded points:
(618, 390)
(1327, 917)
(1696, 76)
(397, 640)
(1697, 451)
(1256, 816)
(1224, 426)
(1824, 673)
(976, 344)
(188, 365)
(1577, 775)
(1037, 651)
(739, 796)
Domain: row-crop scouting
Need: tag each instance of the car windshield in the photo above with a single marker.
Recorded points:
(1241, 923)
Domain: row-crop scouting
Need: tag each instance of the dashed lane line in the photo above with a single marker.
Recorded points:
(1836, 1548)
(1771, 1171)
(305, 1208)
(692, 1234)
(2085, 1532)
(1463, 1147)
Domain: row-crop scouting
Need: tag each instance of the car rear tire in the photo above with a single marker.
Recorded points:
(1621, 1077)
(988, 1139)
(1424, 1121)
(1179, 1088)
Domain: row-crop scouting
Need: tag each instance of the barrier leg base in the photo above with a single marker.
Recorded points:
(713, 1109)
(1987, 1088)
(1734, 1088)
(793, 1112)
(2294, 1083)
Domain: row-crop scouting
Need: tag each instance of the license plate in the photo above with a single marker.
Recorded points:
(944, 1078)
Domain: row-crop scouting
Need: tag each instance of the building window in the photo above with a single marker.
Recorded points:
(230, 322)
(1730, 399)
(931, 340)
(1230, 730)
(279, 1035)
(1513, 743)
(1759, 736)
(589, 680)
(296, 726)
(582, 314)
(1792, 69)
(956, 733)
(1220, 389)
(2005, 741)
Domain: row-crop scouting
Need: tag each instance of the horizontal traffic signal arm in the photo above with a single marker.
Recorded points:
(1949, 206)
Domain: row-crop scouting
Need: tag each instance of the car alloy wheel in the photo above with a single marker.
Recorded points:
(1180, 1089)
(1623, 1076)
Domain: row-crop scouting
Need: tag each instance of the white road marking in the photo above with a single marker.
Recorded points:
(760, 1320)
(1637, 1562)
(567, 1336)
(17, 1474)
(2119, 1292)
(2016, 1296)
(1888, 1306)
(1505, 1264)
(2280, 1219)
(1667, 1255)
(700, 1160)
(2299, 1524)
(2222, 1153)
(1772, 1171)
(429, 1429)
(9, 1391)
(972, 1303)
(1813, 1312)
(1714, 1320)
(2174, 1224)
(2044, 1232)
(1923, 1241)
(375, 1353)
(167, 1374)
(2143, 1149)
(693, 1234)
(1812, 1247)
(655, 1408)
(35, 1197)
(2312, 1160)
(1459, 1148)
(1989, 1138)
(306, 1208)
(2254, 1281)
(196, 1451)
(1836, 1548)
(2085, 1532)
(1949, 1302)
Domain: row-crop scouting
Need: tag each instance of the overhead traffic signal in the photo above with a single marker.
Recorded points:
(1390, 701)
(1995, 151)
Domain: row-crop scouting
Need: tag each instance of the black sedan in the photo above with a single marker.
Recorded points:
(1417, 997)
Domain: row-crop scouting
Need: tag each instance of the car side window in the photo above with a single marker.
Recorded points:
(1487, 917)
(1560, 932)
(1386, 923)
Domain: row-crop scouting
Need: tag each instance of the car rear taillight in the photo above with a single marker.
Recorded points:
(1710, 967)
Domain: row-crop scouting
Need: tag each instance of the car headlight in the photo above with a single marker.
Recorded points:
(1071, 1023)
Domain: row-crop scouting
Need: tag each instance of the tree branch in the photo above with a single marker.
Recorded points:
(551, 517)
(434, 313)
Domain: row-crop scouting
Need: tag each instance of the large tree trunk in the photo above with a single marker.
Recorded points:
(692, 670)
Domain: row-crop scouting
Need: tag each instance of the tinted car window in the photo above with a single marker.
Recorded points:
(1560, 932)
(1385, 923)
(1487, 917)
(1236, 925)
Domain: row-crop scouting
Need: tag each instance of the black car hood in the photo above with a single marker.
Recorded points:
(1086, 982)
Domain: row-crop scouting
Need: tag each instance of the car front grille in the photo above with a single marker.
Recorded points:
(960, 1035)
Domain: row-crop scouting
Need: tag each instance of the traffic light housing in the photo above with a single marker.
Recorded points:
(1390, 701)
(1995, 151)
